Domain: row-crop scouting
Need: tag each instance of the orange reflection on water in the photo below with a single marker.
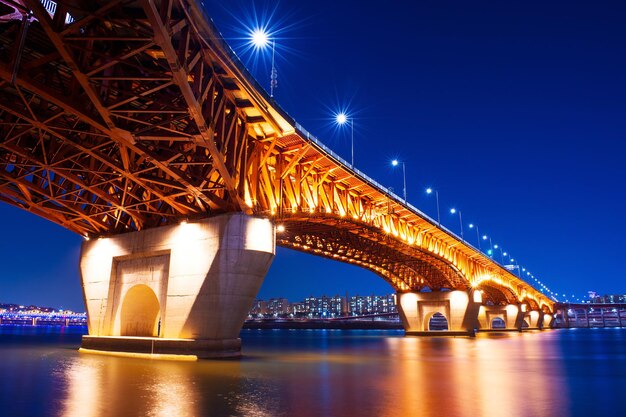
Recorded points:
(495, 374)
(331, 373)
(99, 386)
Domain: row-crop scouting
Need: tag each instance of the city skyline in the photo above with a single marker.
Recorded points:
(524, 138)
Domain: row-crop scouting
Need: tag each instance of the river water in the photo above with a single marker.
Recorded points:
(576, 372)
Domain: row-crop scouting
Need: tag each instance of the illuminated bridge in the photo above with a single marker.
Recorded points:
(133, 124)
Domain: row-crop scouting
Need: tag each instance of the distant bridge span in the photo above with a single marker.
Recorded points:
(134, 116)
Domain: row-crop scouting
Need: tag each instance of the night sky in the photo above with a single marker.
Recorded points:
(514, 111)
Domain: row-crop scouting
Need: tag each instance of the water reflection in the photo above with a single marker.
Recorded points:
(478, 377)
(342, 373)
(104, 386)
(99, 386)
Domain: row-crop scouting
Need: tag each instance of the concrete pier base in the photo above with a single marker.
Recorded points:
(183, 289)
(459, 308)
(511, 316)
(161, 347)
(534, 319)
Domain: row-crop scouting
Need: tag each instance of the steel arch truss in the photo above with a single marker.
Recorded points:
(406, 269)
(498, 295)
(121, 120)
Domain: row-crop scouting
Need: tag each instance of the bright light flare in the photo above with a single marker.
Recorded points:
(452, 210)
(259, 38)
(394, 162)
(341, 118)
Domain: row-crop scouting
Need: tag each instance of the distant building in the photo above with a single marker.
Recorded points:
(325, 306)
(372, 304)
(610, 299)
(259, 307)
(278, 307)
(298, 309)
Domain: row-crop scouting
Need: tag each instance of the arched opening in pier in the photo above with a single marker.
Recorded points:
(525, 324)
(498, 323)
(140, 312)
(437, 322)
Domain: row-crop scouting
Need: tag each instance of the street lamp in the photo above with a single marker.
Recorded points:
(453, 211)
(501, 252)
(430, 191)
(395, 162)
(341, 119)
(261, 39)
(490, 251)
(472, 226)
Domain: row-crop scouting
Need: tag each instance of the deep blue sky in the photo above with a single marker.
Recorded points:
(514, 111)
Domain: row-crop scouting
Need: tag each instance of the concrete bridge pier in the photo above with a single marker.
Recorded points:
(175, 290)
(535, 319)
(439, 313)
(501, 318)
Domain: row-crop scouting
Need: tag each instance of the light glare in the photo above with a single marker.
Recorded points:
(394, 162)
(341, 118)
(260, 38)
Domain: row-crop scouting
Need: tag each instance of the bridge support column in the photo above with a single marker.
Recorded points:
(511, 315)
(534, 319)
(175, 290)
(547, 319)
(459, 308)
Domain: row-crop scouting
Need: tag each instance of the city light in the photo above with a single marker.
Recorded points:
(341, 118)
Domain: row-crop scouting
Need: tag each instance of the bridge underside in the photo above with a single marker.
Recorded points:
(406, 268)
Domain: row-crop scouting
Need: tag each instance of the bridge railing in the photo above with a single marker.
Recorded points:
(385, 190)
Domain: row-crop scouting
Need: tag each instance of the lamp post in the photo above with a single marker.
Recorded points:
(501, 253)
(453, 211)
(395, 162)
(342, 119)
(274, 72)
(490, 252)
(260, 39)
(430, 191)
(475, 226)
(519, 270)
